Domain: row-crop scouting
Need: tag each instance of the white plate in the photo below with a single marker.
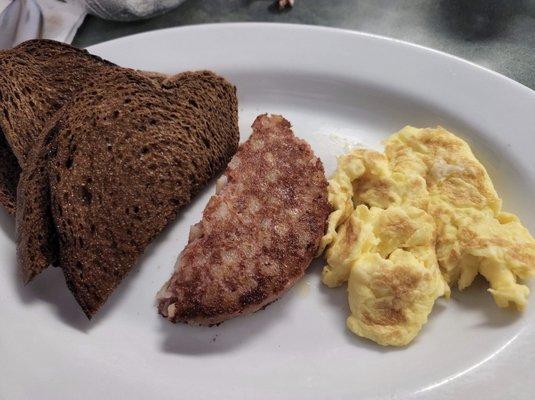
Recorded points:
(329, 84)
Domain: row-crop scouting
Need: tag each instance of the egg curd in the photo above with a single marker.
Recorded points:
(409, 223)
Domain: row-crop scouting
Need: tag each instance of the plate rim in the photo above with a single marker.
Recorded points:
(435, 390)
(328, 29)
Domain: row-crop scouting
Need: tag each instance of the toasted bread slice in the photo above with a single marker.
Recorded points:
(122, 159)
(37, 244)
(36, 78)
(9, 176)
(258, 233)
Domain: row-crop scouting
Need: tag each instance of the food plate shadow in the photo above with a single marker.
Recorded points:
(50, 287)
(7, 224)
(476, 299)
(337, 299)
(228, 336)
(122, 290)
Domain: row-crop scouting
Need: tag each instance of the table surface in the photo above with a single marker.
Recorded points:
(497, 34)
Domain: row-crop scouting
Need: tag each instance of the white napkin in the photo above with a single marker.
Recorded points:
(22, 20)
(61, 20)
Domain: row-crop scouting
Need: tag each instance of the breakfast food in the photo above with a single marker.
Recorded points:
(258, 233)
(473, 234)
(37, 242)
(395, 278)
(409, 223)
(113, 169)
(36, 78)
(383, 244)
(97, 160)
(9, 175)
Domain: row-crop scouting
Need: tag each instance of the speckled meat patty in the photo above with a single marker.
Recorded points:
(258, 233)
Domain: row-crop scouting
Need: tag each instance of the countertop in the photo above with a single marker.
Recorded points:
(497, 34)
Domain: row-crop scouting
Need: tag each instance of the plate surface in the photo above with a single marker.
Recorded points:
(336, 87)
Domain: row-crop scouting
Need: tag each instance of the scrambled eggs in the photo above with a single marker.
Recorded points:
(474, 235)
(408, 223)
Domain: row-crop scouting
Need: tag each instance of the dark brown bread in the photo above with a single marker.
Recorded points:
(36, 78)
(258, 233)
(123, 157)
(37, 245)
(9, 176)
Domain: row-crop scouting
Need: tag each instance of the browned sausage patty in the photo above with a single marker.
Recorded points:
(258, 233)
